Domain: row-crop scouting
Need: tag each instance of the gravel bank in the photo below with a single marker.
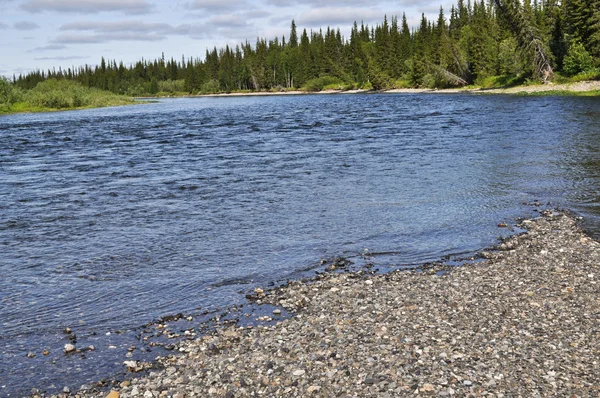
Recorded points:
(524, 322)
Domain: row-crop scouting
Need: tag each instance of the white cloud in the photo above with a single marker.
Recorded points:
(88, 6)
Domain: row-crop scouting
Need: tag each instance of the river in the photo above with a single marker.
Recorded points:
(112, 218)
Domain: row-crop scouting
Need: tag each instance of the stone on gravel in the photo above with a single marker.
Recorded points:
(523, 322)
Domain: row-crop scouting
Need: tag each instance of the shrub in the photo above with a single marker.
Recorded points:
(322, 82)
(9, 94)
(577, 60)
(211, 87)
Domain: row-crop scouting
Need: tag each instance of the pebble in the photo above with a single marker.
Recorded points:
(521, 322)
(69, 348)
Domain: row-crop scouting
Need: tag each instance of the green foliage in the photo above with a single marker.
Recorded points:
(577, 60)
(473, 42)
(153, 86)
(211, 87)
(171, 86)
(59, 94)
(9, 95)
(322, 82)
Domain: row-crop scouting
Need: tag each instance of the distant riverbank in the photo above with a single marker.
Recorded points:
(578, 88)
(85, 98)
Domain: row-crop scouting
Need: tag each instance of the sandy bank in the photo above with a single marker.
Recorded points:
(578, 87)
(524, 322)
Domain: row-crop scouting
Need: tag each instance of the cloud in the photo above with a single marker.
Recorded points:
(119, 26)
(26, 25)
(49, 47)
(88, 6)
(296, 3)
(230, 26)
(228, 20)
(67, 58)
(216, 5)
(106, 37)
(328, 16)
(3, 25)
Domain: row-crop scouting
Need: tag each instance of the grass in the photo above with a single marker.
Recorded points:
(54, 95)
(591, 93)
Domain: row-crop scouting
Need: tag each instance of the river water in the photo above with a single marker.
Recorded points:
(111, 218)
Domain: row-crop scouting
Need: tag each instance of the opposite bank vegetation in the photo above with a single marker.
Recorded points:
(499, 43)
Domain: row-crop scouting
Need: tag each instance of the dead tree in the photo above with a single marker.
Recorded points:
(448, 76)
(528, 37)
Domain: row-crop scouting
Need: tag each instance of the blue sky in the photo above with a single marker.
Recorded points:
(40, 34)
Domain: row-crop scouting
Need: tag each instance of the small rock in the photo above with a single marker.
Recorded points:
(30, 355)
(299, 372)
(312, 389)
(277, 312)
(113, 394)
(45, 352)
(66, 390)
(428, 388)
(69, 348)
(148, 394)
(468, 383)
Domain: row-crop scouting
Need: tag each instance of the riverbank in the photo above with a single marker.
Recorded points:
(578, 88)
(522, 322)
(100, 99)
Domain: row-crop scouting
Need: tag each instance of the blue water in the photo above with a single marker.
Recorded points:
(111, 218)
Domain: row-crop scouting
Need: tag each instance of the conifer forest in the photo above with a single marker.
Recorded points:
(500, 41)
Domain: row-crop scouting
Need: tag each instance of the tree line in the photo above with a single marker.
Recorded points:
(502, 41)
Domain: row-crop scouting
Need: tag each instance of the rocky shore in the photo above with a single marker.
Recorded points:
(525, 322)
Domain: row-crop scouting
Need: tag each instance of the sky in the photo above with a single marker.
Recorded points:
(42, 34)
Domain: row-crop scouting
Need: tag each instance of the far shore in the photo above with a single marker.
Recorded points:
(578, 88)
(584, 88)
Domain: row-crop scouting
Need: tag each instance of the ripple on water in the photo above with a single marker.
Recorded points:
(114, 217)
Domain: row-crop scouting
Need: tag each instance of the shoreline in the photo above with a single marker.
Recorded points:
(591, 88)
(523, 321)
(578, 88)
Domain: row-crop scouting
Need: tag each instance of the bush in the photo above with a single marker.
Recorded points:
(171, 86)
(66, 94)
(9, 94)
(577, 60)
(211, 87)
(320, 83)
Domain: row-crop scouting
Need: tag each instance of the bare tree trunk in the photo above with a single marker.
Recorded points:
(449, 76)
(527, 36)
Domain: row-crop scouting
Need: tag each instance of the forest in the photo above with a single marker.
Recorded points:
(496, 43)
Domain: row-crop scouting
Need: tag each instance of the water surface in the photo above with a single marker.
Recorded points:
(111, 218)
